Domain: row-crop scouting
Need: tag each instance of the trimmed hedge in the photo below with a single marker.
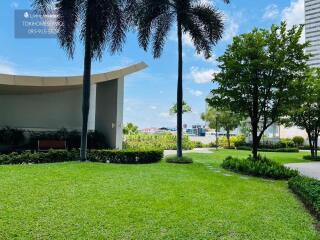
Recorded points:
(106, 156)
(269, 149)
(263, 167)
(308, 190)
(310, 158)
(126, 156)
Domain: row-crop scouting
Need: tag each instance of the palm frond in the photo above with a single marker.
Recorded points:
(68, 16)
(162, 27)
(147, 18)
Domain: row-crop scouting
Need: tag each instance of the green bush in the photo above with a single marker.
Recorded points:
(39, 157)
(110, 156)
(308, 190)
(288, 150)
(165, 141)
(298, 141)
(311, 158)
(262, 167)
(126, 156)
(10, 136)
(234, 141)
(175, 159)
(96, 140)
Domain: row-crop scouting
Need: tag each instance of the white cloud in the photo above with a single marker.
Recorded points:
(231, 27)
(6, 67)
(201, 75)
(196, 93)
(153, 107)
(271, 12)
(201, 56)
(294, 14)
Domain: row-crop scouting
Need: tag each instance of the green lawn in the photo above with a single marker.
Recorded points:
(220, 155)
(156, 201)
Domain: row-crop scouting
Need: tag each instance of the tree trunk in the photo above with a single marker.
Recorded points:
(86, 94)
(316, 146)
(255, 142)
(255, 121)
(310, 144)
(179, 92)
(228, 138)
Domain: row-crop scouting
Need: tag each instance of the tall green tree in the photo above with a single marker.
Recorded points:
(185, 108)
(100, 24)
(257, 71)
(306, 113)
(130, 128)
(201, 21)
(225, 119)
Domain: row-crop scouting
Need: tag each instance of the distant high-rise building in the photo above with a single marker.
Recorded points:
(312, 25)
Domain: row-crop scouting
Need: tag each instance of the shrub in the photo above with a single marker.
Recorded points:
(175, 159)
(234, 141)
(39, 157)
(298, 141)
(269, 149)
(308, 190)
(247, 148)
(11, 136)
(111, 156)
(311, 158)
(288, 150)
(126, 156)
(96, 140)
(262, 167)
(165, 141)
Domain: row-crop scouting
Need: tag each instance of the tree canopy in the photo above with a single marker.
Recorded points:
(306, 113)
(256, 74)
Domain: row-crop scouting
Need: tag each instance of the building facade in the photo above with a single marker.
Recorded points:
(51, 103)
(312, 27)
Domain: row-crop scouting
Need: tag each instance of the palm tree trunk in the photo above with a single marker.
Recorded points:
(179, 92)
(86, 94)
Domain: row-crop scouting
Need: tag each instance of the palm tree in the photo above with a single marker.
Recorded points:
(101, 23)
(200, 20)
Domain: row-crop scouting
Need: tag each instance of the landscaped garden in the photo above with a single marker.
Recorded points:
(153, 201)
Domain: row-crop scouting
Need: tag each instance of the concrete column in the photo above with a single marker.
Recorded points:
(109, 111)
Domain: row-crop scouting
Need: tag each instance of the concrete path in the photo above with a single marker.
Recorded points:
(195, 150)
(311, 169)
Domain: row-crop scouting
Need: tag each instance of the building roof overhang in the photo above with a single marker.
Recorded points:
(18, 84)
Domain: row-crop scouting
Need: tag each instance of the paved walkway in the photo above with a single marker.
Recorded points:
(311, 169)
(195, 150)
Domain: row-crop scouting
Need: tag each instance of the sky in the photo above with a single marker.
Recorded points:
(148, 94)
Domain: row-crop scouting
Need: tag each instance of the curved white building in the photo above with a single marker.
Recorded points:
(51, 103)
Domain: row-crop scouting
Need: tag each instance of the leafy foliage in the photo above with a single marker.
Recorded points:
(11, 136)
(308, 190)
(257, 73)
(261, 167)
(166, 141)
(130, 128)
(185, 108)
(305, 113)
(298, 141)
(105, 156)
(126, 156)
